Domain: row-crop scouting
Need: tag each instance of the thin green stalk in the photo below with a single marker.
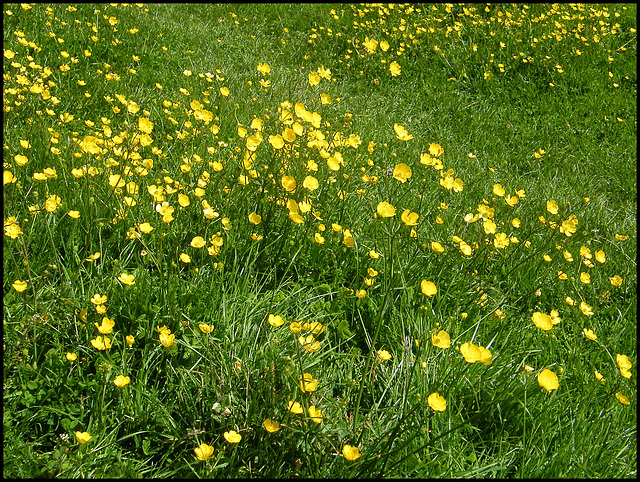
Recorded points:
(389, 276)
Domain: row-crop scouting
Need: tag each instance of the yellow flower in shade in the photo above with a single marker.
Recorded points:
(402, 172)
(255, 218)
(498, 190)
(470, 352)
(295, 327)
(167, 339)
(83, 437)
(441, 339)
(106, 327)
(562, 275)
(437, 402)
(308, 383)
(615, 280)
(402, 133)
(552, 207)
(548, 380)
(384, 355)
(599, 376)
(351, 453)
(92, 258)
(348, 239)
(275, 320)
(428, 288)
(204, 328)
(409, 218)
(127, 279)
(198, 242)
(71, 357)
(232, 437)
(589, 334)
(586, 309)
(203, 452)
(315, 414)
(121, 381)
(295, 407)
(394, 68)
(619, 237)
(130, 339)
(318, 238)
(271, 426)
(373, 254)
(542, 320)
(622, 399)
(385, 209)
(19, 285)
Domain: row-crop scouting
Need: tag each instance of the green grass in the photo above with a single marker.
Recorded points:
(539, 99)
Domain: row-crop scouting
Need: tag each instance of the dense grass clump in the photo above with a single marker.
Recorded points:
(319, 240)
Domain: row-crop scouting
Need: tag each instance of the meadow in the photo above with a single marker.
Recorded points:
(319, 240)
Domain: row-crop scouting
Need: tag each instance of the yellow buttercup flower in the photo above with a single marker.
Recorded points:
(271, 426)
(308, 383)
(437, 402)
(121, 381)
(167, 339)
(204, 328)
(441, 339)
(351, 453)
(548, 380)
(402, 172)
(232, 437)
(295, 407)
(402, 133)
(385, 209)
(127, 279)
(203, 452)
(83, 437)
(19, 285)
(428, 288)
(409, 218)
